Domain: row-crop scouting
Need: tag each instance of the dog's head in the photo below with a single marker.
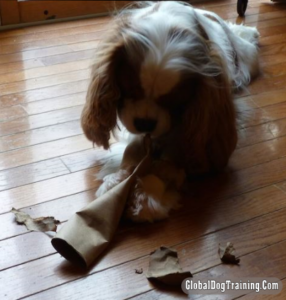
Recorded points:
(152, 74)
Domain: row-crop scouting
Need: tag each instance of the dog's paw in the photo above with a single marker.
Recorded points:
(248, 33)
(150, 200)
(110, 181)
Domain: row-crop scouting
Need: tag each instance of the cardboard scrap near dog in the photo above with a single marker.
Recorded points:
(164, 267)
(227, 254)
(42, 224)
(164, 264)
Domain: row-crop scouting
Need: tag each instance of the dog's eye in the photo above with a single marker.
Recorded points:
(134, 93)
(179, 96)
(173, 100)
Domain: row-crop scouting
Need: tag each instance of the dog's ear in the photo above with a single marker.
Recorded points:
(99, 114)
(209, 121)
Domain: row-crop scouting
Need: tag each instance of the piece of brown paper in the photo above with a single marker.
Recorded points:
(89, 231)
(227, 254)
(164, 267)
(42, 224)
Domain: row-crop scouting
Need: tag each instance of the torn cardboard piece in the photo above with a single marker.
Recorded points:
(227, 254)
(164, 267)
(89, 231)
(42, 224)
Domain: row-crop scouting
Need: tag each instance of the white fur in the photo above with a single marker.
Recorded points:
(110, 181)
(150, 201)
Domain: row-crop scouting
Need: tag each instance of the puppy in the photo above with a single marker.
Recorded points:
(169, 70)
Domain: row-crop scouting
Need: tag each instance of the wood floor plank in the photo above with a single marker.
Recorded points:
(229, 272)
(268, 98)
(50, 264)
(265, 24)
(90, 45)
(270, 60)
(191, 257)
(39, 136)
(216, 3)
(90, 158)
(33, 172)
(276, 111)
(24, 156)
(234, 183)
(253, 19)
(259, 115)
(46, 53)
(44, 93)
(273, 30)
(273, 39)
(11, 113)
(40, 120)
(20, 65)
(268, 84)
(278, 128)
(53, 34)
(244, 103)
(48, 190)
(159, 295)
(275, 70)
(252, 117)
(273, 49)
(66, 40)
(39, 107)
(229, 11)
(32, 54)
(254, 200)
(62, 209)
(44, 71)
(53, 26)
(280, 296)
(269, 130)
(68, 57)
(13, 246)
(256, 134)
(267, 262)
(260, 153)
(43, 82)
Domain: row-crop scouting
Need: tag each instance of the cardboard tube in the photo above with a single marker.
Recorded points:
(83, 238)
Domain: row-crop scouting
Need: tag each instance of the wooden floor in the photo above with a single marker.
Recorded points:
(47, 167)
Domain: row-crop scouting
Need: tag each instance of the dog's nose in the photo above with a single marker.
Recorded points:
(145, 125)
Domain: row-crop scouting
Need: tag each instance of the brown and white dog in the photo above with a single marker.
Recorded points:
(169, 70)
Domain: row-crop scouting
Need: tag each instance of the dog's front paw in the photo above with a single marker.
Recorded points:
(110, 181)
(150, 200)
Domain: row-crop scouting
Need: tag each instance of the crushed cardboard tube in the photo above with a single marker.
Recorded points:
(83, 238)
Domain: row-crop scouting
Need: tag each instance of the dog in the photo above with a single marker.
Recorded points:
(169, 70)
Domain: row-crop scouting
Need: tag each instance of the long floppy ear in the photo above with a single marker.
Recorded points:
(99, 114)
(209, 125)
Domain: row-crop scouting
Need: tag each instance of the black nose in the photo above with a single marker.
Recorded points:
(145, 125)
